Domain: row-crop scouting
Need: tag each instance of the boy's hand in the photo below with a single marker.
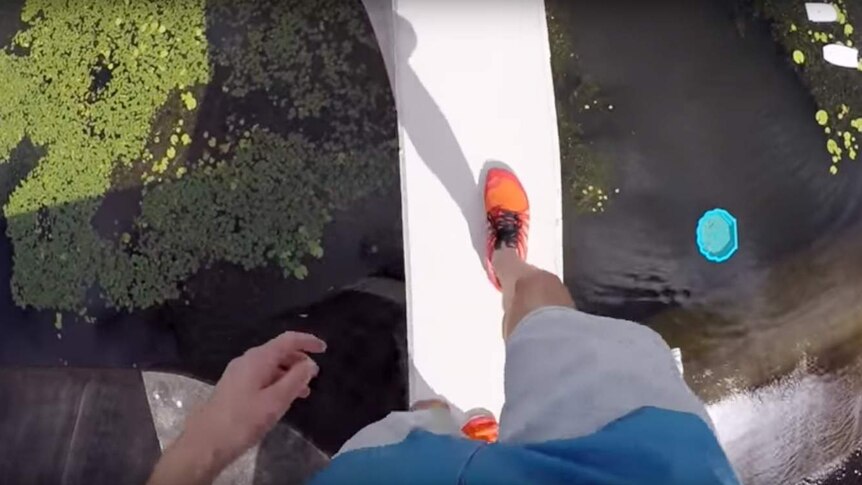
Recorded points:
(254, 392)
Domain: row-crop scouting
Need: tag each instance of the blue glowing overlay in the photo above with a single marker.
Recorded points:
(717, 235)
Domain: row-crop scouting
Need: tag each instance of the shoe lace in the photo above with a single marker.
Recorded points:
(506, 227)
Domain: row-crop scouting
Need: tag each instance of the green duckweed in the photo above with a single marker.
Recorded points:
(190, 101)
(798, 57)
(87, 130)
(822, 117)
(832, 147)
(264, 199)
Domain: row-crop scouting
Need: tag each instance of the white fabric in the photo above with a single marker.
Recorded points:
(395, 427)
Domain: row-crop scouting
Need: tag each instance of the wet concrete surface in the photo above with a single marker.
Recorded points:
(283, 457)
(95, 426)
(75, 426)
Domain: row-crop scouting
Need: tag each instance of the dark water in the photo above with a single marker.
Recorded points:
(707, 112)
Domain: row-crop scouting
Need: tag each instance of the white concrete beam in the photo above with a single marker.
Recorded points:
(473, 84)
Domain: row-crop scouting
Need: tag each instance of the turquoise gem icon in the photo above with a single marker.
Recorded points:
(717, 235)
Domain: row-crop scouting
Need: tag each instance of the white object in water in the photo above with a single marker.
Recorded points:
(821, 12)
(841, 55)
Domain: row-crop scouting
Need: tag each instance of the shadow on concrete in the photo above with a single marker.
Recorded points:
(435, 142)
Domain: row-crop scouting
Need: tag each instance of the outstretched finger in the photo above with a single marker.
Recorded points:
(290, 342)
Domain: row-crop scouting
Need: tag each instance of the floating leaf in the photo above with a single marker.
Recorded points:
(798, 57)
(189, 100)
(822, 117)
(315, 249)
(300, 272)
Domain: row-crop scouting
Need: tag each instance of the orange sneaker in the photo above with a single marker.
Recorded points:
(482, 427)
(508, 212)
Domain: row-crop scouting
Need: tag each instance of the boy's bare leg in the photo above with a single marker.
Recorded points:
(525, 288)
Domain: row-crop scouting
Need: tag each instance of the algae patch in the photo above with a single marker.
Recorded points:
(585, 173)
(112, 95)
